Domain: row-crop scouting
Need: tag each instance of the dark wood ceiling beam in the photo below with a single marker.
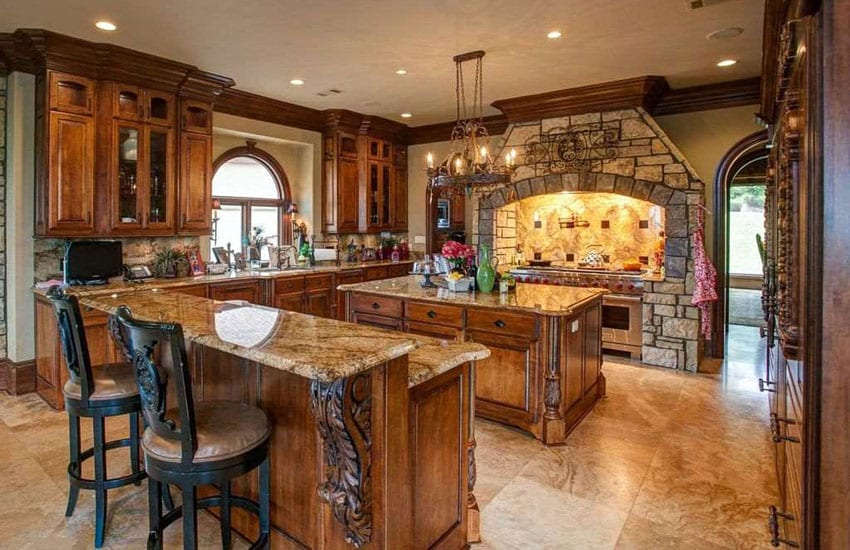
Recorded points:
(734, 93)
(431, 133)
(247, 105)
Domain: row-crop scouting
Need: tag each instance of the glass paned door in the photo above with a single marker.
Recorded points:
(158, 175)
(128, 175)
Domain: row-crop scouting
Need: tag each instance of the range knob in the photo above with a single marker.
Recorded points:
(545, 281)
(631, 286)
(619, 286)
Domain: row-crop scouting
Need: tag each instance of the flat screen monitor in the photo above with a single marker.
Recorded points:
(93, 261)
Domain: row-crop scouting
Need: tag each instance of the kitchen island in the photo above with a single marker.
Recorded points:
(544, 373)
(372, 442)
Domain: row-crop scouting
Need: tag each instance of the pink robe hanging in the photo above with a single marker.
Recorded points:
(705, 289)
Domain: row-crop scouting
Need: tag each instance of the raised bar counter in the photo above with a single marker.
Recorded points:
(544, 373)
(354, 410)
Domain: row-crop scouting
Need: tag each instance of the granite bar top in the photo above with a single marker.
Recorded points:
(312, 347)
(120, 286)
(542, 299)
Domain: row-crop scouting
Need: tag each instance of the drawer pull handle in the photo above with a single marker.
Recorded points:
(376, 305)
(776, 431)
(773, 525)
(432, 314)
(499, 323)
(763, 385)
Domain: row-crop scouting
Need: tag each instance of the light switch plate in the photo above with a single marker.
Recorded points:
(574, 326)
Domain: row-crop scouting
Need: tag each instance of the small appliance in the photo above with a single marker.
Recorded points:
(92, 262)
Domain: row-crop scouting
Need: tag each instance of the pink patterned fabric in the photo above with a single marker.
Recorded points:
(705, 289)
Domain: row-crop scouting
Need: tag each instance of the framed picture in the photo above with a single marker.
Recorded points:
(222, 255)
(238, 261)
(196, 263)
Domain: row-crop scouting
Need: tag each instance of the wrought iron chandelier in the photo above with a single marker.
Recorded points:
(469, 167)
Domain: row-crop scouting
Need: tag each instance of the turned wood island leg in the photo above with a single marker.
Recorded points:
(554, 428)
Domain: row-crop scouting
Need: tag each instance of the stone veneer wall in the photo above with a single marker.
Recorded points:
(2, 217)
(644, 164)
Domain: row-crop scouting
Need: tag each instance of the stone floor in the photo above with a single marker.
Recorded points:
(667, 460)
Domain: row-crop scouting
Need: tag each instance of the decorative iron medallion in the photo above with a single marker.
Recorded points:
(573, 148)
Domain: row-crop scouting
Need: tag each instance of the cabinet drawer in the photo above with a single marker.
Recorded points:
(398, 270)
(193, 290)
(449, 334)
(349, 277)
(288, 284)
(377, 305)
(376, 273)
(319, 281)
(378, 321)
(246, 292)
(501, 322)
(435, 313)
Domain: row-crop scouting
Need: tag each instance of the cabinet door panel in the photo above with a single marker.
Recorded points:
(71, 93)
(293, 301)
(71, 173)
(127, 102)
(347, 199)
(592, 347)
(319, 302)
(400, 210)
(128, 176)
(505, 381)
(159, 189)
(195, 183)
(159, 107)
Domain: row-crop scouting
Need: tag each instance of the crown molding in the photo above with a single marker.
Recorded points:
(734, 93)
(643, 91)
(37, 50)
(248, 105)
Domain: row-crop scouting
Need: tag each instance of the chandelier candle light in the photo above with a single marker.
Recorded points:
(469, 167)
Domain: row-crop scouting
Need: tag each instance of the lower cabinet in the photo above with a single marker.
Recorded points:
(50, 363)
(247, 291)
(200, 291)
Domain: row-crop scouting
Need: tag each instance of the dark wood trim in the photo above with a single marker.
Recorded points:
(643, 91)
(17, 378)
(432, 133)
(739, 155)
(722, 95)
(256, 107)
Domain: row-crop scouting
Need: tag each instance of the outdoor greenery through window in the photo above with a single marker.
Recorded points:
(250, 196)
(746, 219)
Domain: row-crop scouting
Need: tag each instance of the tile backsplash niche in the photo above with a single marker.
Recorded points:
(48, 253)
(623, 227)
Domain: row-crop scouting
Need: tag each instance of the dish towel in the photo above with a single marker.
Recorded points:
(705, 289)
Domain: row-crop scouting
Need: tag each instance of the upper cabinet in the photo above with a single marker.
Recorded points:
(123, 141)
(364, 176)
(65, 155)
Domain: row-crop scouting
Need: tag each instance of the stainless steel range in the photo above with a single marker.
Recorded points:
(622, 314)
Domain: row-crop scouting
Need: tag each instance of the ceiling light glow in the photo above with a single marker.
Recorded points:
(553, 34)
(401, 71)
(727, 62)
(296, 82)
(406, 115)
(105, 25)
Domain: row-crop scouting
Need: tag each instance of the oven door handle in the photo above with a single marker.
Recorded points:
(620, 297)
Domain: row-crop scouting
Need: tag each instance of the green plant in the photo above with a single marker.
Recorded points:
(305, 250)
(170, 261)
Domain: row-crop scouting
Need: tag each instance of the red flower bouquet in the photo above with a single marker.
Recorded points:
(458, 255)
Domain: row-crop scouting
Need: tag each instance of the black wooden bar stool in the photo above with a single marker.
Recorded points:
(189, 445)
(96, 392)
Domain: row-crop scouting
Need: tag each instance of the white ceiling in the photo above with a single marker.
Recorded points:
(356, 46)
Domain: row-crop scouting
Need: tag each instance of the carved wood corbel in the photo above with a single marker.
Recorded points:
(343, 412)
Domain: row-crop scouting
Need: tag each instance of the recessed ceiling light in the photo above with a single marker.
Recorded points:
(401, 71)
(105, 26)
(728, 32)
(406, 115)
(296, 82)
(554, 34)
(727, 62)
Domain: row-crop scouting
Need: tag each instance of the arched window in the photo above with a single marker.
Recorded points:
(253, 191)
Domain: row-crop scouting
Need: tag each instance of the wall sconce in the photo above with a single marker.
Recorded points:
(216, 206)
(291, 208)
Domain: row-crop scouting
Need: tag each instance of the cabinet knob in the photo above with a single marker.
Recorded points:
(499, 323)
(773, 525)
(376, 305)
(432, 314)
(776, 430)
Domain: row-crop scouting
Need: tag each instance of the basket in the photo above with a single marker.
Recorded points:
(461, 285)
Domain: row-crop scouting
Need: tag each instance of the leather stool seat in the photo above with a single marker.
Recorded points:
(111, 381)
(224, 430)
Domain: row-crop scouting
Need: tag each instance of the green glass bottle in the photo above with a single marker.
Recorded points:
(486, 276)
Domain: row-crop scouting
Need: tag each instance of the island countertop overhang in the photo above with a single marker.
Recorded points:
(312, 347)
(549, 300)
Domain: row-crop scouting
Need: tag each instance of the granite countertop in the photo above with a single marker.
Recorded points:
(542, 299)
(120, 286)
(312, 347)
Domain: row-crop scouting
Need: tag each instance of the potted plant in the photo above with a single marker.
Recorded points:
(458, 255)
(170, 263)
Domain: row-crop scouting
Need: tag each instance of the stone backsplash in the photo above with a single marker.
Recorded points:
(48, 253)
(623, 227)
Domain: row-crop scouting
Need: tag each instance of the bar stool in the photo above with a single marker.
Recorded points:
(190, 445)
(96, 392)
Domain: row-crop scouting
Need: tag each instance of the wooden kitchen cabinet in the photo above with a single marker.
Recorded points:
(195, 185)
(248, 291)
(311, 294)
(138, 104)
(200, 291)
(400, 211)
(69, 93)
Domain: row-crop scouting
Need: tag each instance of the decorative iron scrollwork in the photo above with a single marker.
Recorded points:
(343, 412)
(572, 148)
(119, 337)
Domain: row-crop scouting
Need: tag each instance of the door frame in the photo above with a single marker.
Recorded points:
(744, 152)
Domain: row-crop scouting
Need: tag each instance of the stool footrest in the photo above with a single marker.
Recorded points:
(75, 468)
